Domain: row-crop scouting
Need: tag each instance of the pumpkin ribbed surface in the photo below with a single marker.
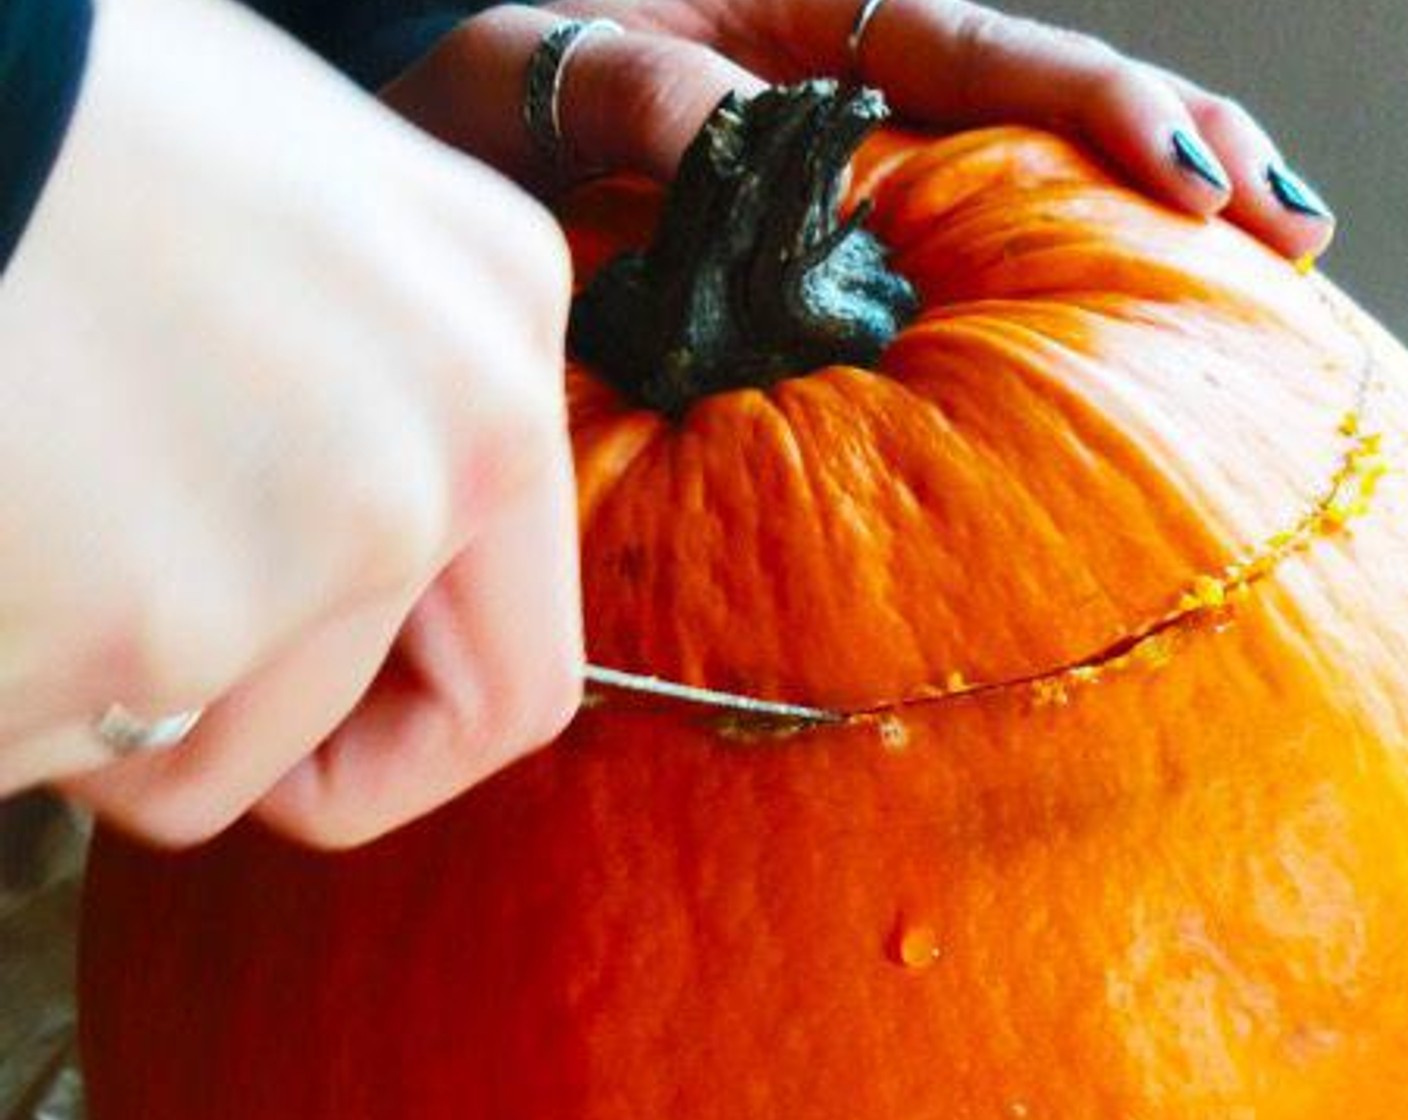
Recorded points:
(1170, 882)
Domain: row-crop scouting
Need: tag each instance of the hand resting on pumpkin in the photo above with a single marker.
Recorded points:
(634, 101)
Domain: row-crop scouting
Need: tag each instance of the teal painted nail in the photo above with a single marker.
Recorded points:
(1294, 193)
(1193, 156)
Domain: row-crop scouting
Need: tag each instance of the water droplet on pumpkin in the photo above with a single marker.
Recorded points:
(1019, 1110)
(917, 946)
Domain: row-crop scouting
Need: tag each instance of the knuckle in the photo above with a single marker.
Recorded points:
(328, 820)
(494, 22)
(978, 30)
(1089, 50)
(642, 97)
(1104, 83)
(988, 41)
(522, 711)
(1094, 63)
(531, 254)
(501, 237)
(526, 230)
(177, 817)
(330, 831)
(658, 98)
(560, 698)
(529, 444)
(544, 248)
(389, 496)
(190, 636)
(403, 523)
(173, 832)
(533, 711)
(984, 33)
(1223, 113)
(511, 434)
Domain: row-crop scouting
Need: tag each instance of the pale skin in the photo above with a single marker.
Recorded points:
(278, 398)
(635, 101)
(372, 587)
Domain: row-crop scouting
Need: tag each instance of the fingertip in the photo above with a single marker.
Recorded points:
(1192, 154)
(1142, 125)
(1198, 167)
(1295, 195)
(353, 789)
(1303, 221)
(1304, 246)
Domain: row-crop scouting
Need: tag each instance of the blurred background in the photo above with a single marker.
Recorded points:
(1327, 78)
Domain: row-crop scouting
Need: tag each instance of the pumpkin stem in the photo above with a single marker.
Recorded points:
(752, 276)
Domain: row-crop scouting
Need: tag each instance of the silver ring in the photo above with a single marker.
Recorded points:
(867, 12)
(543, 84)
(125, 734)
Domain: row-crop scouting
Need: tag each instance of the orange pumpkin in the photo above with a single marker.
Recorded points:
(1103, 548)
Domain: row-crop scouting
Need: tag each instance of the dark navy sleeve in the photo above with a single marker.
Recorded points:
(43, 48)
(370, 40)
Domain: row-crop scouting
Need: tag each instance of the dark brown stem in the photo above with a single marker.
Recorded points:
(752, 276)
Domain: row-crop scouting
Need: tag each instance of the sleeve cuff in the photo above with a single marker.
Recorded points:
(43, 52)
(372, 57)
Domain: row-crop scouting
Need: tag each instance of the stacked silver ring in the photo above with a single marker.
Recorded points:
(866, 13)
(124, 734)
(543, 90)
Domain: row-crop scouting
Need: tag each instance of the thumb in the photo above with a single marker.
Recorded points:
(627, 102)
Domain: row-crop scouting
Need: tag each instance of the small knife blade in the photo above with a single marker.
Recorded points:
(706, 697)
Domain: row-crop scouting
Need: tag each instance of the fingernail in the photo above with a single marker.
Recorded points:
(1294, 193)
(1193, 155)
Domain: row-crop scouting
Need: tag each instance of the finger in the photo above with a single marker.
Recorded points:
(257, 733)
(652, 17)
(488, 666)
(628, 102)
(247, 739)
(960, 64)
(1284, 212)
(738, 32)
